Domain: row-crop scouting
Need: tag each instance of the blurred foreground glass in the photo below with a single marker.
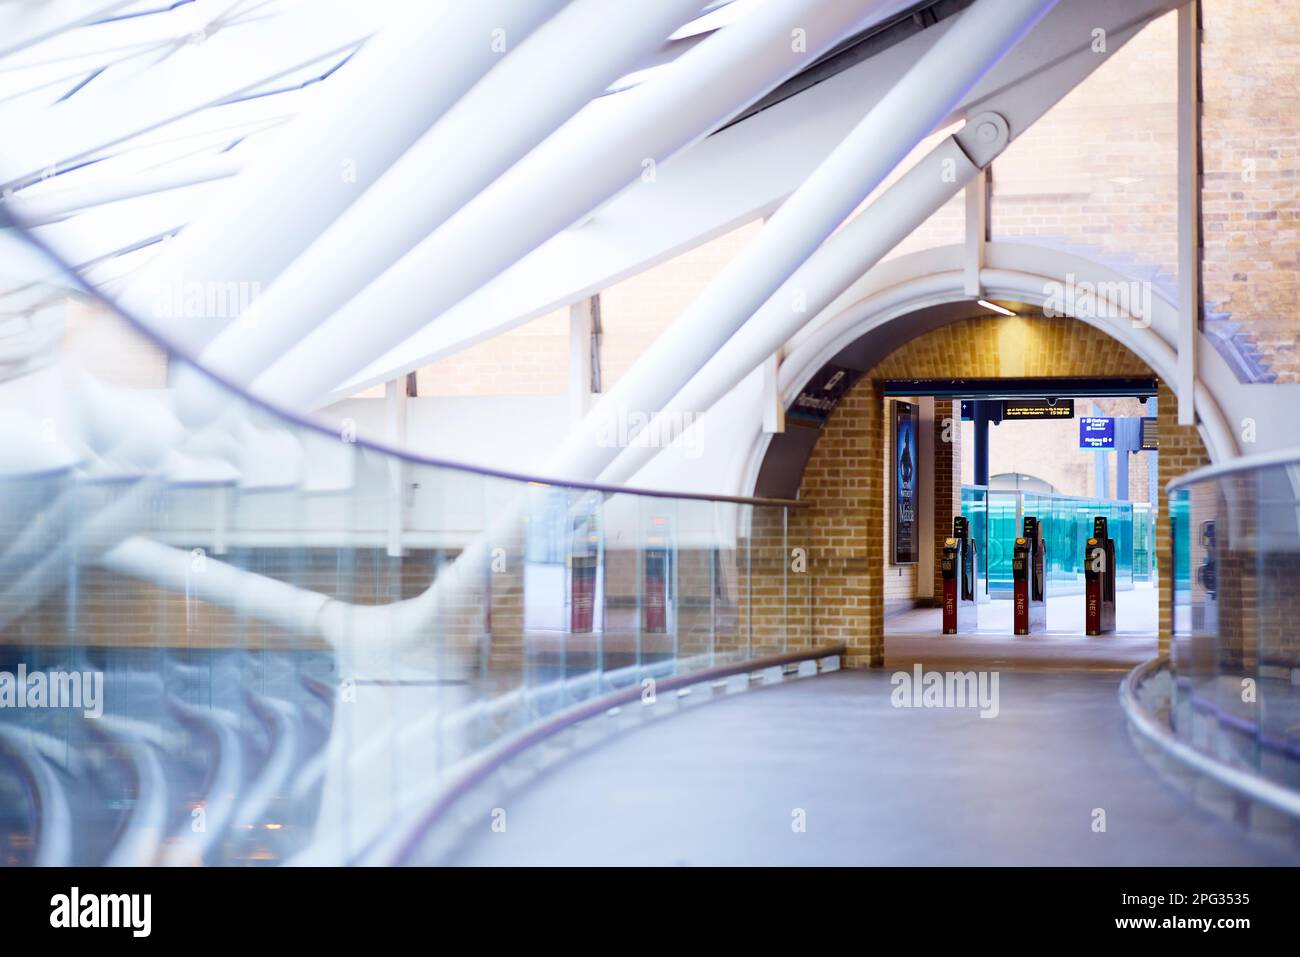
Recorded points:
(228, 636)
(1235, 654)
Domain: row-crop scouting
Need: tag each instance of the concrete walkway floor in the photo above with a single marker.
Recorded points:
(726, 782)
(915, 635)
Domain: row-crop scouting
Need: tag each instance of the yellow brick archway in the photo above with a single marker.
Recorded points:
(845, 529)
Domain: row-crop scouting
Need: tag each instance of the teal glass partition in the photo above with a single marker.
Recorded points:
(1067, 522)
(1235, 655)
(229, 636)
(1144, 542)
(975, 507)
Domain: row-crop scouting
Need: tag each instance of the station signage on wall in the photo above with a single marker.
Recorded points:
(817, 400)
(1096, 432)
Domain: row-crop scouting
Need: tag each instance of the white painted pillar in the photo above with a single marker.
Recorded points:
(582, 327)
(1189, 207)
(773, 407)
(395, 418)
(977, 231)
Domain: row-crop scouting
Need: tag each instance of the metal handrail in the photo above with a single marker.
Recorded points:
(1252, 785)
(988, 489)
(172, 351)
(1245, 463)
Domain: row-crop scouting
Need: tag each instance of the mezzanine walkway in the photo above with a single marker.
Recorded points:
(720, 785)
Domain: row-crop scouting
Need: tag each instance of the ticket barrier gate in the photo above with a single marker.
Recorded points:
(960, 568)
(1099, 580)
(1029, 580)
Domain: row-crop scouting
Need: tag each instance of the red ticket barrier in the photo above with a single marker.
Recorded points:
(959, 567)
(1099, 580)
(1029, 580)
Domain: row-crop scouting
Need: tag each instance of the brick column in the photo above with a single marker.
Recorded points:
(845, 527)
(1181, 450)
(947, 481)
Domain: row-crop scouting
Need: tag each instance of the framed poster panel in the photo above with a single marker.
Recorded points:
(906, 476)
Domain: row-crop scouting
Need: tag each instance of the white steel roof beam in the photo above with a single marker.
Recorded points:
(847, 255)
(27, 24)
(728, 179)
(924, 96)
(198, 75)
(390, 93)
(541, 84)
(588, 160)
(59, 204)
(921, 99)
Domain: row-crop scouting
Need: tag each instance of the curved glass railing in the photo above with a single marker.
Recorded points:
(1235, 656)
(229, 636)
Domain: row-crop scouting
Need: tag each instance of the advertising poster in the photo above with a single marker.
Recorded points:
(906, 475)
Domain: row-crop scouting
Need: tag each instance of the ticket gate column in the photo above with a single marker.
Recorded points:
(960, 569)
(1099, 580)
(1029, 578)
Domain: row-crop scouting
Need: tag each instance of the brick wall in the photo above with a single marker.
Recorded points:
(1099, 169)
(843, 529)
(532, 359)
(1250, 199)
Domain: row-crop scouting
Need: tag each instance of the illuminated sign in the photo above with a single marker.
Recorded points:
(1024, 409)
(1038, 409)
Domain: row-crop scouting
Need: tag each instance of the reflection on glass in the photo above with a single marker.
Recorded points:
(274, 642)
(1235, 656)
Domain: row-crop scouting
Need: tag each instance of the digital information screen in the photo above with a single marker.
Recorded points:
(1038, 409)
(1025, 409)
